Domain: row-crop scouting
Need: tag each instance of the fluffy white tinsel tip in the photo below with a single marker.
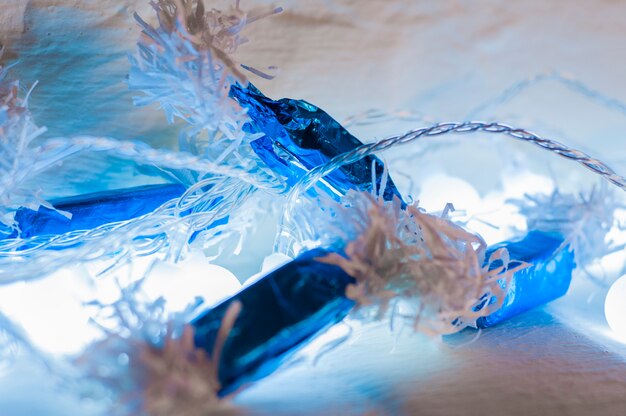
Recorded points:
(18, 158)
(585, 221)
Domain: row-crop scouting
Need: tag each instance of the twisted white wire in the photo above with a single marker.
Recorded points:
(439, 129)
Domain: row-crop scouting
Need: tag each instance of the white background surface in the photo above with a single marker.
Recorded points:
(440, 58)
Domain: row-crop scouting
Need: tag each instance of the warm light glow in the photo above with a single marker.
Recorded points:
(615, 308)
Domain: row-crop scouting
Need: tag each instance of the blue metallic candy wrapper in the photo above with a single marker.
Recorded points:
(88, 211)
(289, 306)
(548, 277)
(299, 136)
(279, 313)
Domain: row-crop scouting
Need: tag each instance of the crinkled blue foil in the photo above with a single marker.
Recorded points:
(286, 308)
(279, 313)
(548, 278)
(299, 136)
(89, 211)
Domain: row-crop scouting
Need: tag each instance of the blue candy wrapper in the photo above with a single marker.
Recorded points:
(89, 211)
(299, 136)
(547, 279)
(279, 314)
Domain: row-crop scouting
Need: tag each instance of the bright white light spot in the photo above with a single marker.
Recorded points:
(615, 308)
(270, 263)
(437, 190)
(179, 284)
(489, 215)
(52, 310)
(526, 182)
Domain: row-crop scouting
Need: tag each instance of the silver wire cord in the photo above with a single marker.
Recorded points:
(286, 237)
(439, 129)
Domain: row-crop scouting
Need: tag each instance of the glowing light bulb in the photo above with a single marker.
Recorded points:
(53, 311)
(50, 311)
(180, 283)
(615, 308)
(270, 263)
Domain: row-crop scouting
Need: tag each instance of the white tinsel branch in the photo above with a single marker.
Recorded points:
(187, 65)
(583, 220)
(17, 155)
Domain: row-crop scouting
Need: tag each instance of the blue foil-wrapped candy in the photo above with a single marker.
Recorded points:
(299, 136)
(289, 306)
(279, 313)
(548, 277)
(89, 211)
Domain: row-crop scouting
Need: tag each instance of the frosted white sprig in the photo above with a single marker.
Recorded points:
(17, 153)
(187, 65)
(436, 268)
(218, 190)
(584, 220)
